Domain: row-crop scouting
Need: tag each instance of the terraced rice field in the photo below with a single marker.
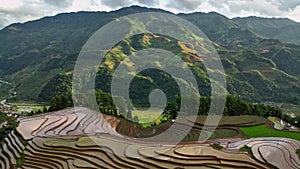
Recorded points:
(81, 138)
(236, 121)
(68, 123)
(11, 149)
(279, 152)
(86, 153)
(182, 129)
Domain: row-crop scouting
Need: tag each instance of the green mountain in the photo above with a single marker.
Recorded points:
(283, 29)
(38, 56)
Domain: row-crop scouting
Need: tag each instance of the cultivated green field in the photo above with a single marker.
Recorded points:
(277, 124)
(291, 108)
(223, 133)
(147, 117)
(263, 131)
(235, 120)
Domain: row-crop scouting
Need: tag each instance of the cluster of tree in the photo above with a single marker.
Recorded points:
(38, 111)
(58, 85)
(233, 107)
(236, 107)
(105, 103)
(60, 102)
(11, 124)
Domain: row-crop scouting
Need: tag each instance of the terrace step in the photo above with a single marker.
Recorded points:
(33, 151)
(12, 148)
(9, 153)
(15, 143)
(4, 162)
(284, 149)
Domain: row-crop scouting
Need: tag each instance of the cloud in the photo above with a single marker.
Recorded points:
(59, 3)
(295, 14)
(258, 7)
(149, 2)
(184, 5)
(116, 3)
(5, 20)
(266, 8)
(287, 5)
(94, 3)
(122, 3)
(23, 10)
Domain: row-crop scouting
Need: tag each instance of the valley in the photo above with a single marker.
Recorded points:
(50, 118)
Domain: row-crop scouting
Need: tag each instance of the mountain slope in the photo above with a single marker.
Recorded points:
(257, 68)
(285, 30)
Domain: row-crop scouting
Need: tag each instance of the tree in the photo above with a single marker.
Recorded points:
(45, 109)
(136, 119)
(204, 105)
(129, 115)
(121, 105)
(171, 111)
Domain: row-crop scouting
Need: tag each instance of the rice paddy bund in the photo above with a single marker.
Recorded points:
(82, 138)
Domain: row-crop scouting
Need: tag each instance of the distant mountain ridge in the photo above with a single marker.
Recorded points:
(260, 64)
(284, 29)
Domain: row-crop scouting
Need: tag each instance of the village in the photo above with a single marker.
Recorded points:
(9, 110)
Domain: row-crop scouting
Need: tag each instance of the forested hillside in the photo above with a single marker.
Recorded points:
(260, 65)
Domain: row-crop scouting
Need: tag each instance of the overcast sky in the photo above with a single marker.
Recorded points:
(23, 10)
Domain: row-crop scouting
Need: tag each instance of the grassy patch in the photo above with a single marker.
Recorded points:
(298, 153)
(20, 160)
(247, 149)
(277, 124)
(235, 120)
(216, 146)
(25, 104)
(223, 133)
(146, 117)
(263, 131)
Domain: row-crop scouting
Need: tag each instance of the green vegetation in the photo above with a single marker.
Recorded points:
(277, 124)
(290, 108)
(223, 133)
(233, 107)
(42, 66)
(4, 90)
(242, 120)
(247, 149)
(146, 117)
(217, 146)
(3, 118)
(272, 28)
(20, 160)
(58, 85)
(11, 124)
(298, 153)
(263, 131)
(60, 102)
(26, 104)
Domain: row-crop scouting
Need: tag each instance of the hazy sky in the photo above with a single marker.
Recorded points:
(23, 10)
